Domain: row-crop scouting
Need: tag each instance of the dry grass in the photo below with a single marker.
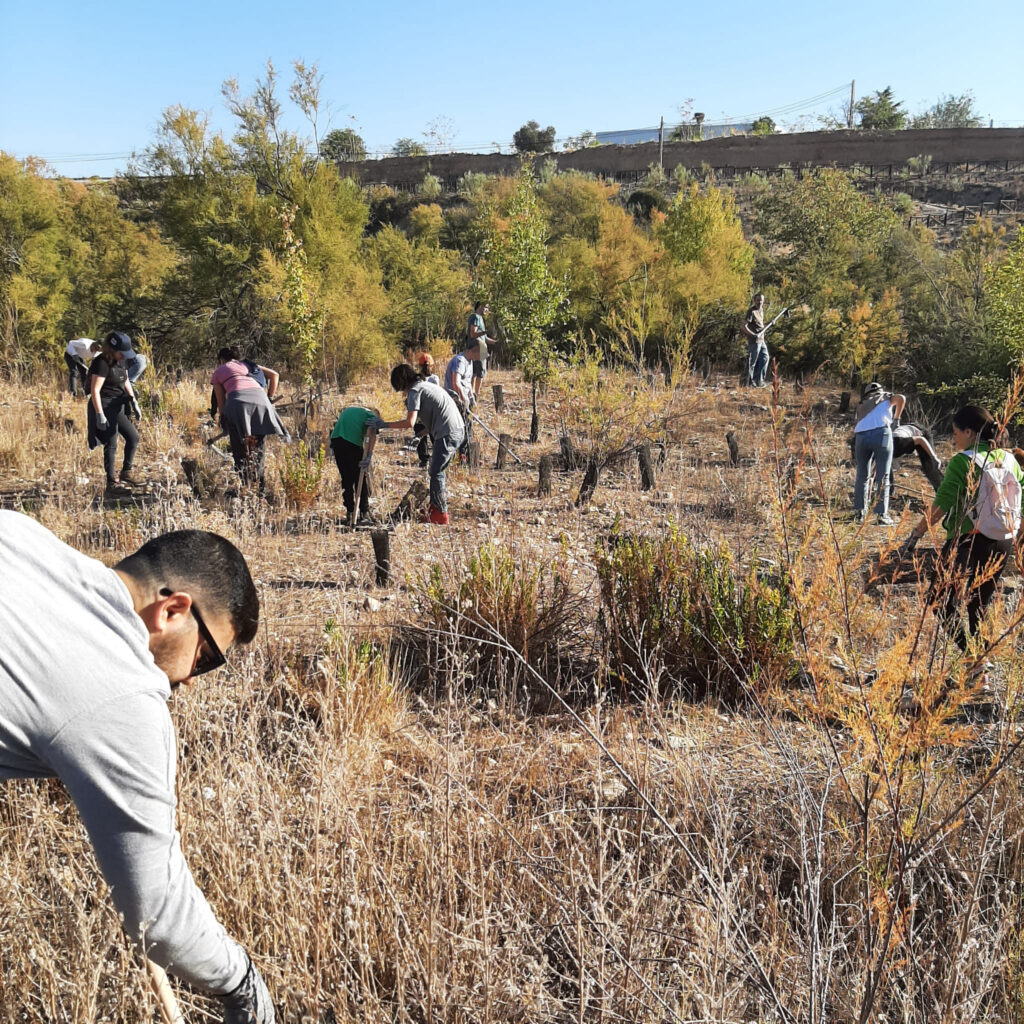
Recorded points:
(396, 852)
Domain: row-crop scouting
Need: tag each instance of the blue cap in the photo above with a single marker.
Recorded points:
(118, 341)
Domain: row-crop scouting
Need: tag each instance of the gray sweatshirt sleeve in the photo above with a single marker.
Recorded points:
(118, 763)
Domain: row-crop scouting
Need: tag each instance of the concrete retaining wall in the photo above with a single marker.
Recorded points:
(740, 152)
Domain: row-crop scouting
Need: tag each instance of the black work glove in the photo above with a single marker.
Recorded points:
(250, 1002)
(101, 422)
(136, 410)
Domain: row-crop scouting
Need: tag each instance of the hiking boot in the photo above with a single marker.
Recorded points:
(127, 480)
(366, 520)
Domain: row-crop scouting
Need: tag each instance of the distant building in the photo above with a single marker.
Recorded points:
(631, 136)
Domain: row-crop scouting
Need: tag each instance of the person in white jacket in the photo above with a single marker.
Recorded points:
(88, 661)
(876, 414)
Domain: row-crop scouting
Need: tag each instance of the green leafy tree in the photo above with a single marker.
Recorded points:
(531, 138)
(950, 112)
(708, 267)
(832, 248)
(1004, 303)
(525, 296)
(881, 112)
(342, 145)
(71, 263)
(585, 140)
(408, 147)
(764, 126)
(425, 285)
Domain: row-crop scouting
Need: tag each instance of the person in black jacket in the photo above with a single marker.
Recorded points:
(111, 401)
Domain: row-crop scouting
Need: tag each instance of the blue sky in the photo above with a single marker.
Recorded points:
(84, 84)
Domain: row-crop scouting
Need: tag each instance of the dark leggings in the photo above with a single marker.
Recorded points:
(954, 592)
(119, 424)
(348, 456)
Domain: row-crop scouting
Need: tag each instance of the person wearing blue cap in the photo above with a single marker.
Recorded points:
(111, 400)
(134, 362)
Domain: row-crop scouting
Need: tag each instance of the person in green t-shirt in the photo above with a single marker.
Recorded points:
(350, 434)
(959, 600)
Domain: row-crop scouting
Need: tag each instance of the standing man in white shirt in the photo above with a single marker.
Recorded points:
(93, 713)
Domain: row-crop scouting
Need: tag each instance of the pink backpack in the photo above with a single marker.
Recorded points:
(996, 512)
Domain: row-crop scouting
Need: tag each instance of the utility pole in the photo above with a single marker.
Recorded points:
(661, 143)
(849, 116)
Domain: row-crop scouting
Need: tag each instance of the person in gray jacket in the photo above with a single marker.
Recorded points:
(93, 713)
(432, 406)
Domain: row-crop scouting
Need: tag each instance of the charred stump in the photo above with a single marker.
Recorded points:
(589, 485)
(648, 478)
(544, 480)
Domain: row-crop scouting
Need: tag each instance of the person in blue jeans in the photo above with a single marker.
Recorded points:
(432, 406)
(757, 347)
(876, 414)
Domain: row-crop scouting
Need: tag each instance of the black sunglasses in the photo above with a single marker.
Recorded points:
(211, 658)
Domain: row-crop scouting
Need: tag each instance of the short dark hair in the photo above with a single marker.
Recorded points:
(208, 566)
(981, 421)
(403, 376)
(479, 304)
(229, 353)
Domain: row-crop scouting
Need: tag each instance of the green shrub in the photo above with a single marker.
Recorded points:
(679, 619)
(480, 624)
(301, 476)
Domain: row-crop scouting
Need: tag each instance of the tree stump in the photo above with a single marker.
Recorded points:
(844, 402)
(191, 469)
(504, 443)
(734, 448)
(499, 397)
(570, 459)
(415, 498)
(645, 456)
(381, 556)
(473, 455)
(534, 428)
(589, 484)
(544, 481)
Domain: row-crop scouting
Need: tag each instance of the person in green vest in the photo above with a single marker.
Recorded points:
(353, 441)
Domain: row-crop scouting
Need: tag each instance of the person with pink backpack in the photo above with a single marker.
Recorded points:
(979, 502)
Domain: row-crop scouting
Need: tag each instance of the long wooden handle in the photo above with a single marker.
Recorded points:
(169, 1009)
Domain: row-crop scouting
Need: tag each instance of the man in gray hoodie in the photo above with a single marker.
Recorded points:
(88, 660)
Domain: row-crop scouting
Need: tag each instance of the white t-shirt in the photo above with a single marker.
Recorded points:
(82, 699)
(80, 348)
(880, 416)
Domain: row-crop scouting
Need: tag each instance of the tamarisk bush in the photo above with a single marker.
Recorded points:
(678, 618)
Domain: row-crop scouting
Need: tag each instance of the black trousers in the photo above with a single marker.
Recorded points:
(78, 373)
(118, 423)
(348, 456)
(959, 601)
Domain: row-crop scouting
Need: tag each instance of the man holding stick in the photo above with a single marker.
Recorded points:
(89, 659)
(476, 334)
